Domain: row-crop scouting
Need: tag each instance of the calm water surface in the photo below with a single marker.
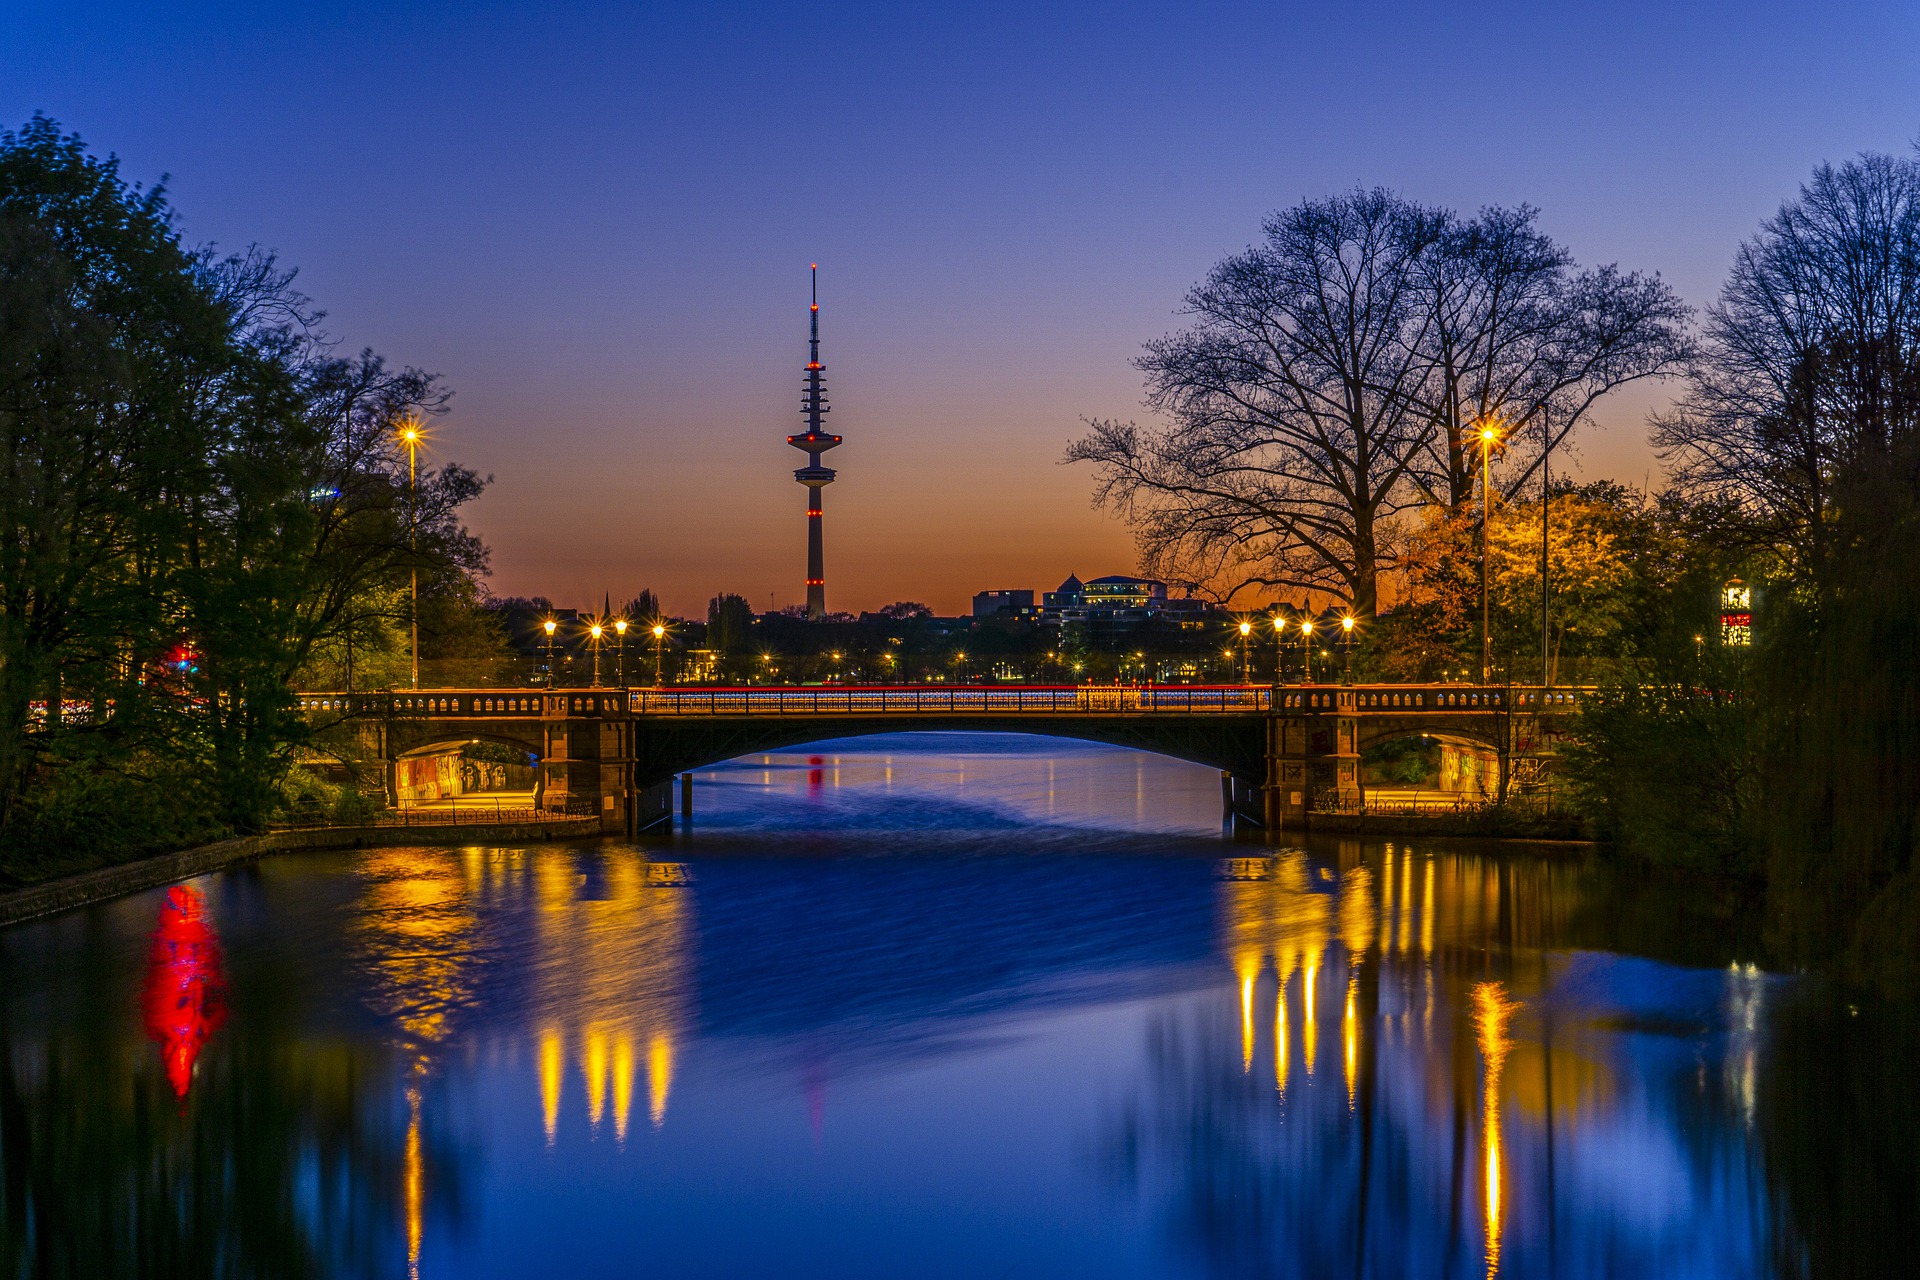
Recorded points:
(938, 1005)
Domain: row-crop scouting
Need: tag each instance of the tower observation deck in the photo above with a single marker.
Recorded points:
(814, 442)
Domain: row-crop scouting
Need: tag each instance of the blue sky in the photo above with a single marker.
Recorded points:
(596, 221)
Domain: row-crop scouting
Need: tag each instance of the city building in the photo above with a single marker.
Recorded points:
(1116, 598)
(814, 442)
(1003, 604)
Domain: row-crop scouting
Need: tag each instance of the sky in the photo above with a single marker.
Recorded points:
(595, 222)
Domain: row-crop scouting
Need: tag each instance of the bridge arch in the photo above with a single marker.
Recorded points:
(665, 749)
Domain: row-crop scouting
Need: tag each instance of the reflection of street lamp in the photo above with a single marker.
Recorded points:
(1346, 640)
(620, 651)
(1246, 652)
(659, 647)
(549, 626)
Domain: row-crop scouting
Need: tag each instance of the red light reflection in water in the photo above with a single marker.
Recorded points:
(184, 997)
(816, 776)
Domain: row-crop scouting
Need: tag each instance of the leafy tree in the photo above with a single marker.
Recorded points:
(729, 624)
(196, 501)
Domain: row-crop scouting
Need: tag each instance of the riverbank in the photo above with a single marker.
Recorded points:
(69, 892)
(1490, 823)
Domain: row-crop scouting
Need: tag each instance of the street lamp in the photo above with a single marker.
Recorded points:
(550, 626)
(659, 645)
(596, 631)
(620, 630)
(1279, 637)
(1306, 647)
(1346, 639)
(411, 435)
(1488, 434)
(1246, 652)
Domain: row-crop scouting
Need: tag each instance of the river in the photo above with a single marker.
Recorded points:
(941, 1005)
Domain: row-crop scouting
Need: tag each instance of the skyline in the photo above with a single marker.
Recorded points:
(596, 227)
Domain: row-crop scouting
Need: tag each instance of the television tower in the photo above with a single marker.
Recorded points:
(816, 477)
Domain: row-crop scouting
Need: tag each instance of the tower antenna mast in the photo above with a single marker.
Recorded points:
(814, 442)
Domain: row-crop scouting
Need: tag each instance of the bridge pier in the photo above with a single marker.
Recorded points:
(1313, 754)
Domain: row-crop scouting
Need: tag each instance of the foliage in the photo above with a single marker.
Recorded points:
(197, 501)
(729, 624)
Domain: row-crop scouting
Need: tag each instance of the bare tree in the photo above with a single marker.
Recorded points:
(1294, 408)
(1517, 336)
(1338, 373)
(1812, 366)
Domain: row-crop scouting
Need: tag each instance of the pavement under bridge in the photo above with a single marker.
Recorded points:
(615, 753)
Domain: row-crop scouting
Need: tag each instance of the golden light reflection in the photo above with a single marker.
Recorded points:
(622, 1088)
(1280, 1038)
(1248, 968)
(1309, 1039)
(1387, 905)
(1406, 904)
(1426, 912)
(416, 1180)
(1350, 1035)
(1492, 1011)
(659, 1078)
(596, 1070)
(615, 974)
(1270, 909)
(552, 1058)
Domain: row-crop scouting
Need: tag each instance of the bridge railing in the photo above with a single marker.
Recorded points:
(843, 700)
(950, 699)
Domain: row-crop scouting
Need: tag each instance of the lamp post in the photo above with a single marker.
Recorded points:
(1279, 639)
(620, 651)
(1246, 652)
(1488, 434)
(1306, 648)
(411, 434)
(596, 631)
(1346, 641)
(659, 643)
(549, 626)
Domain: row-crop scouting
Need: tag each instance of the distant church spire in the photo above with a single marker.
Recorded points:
(814, 442)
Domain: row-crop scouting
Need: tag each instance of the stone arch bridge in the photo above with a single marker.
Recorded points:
(615, 752)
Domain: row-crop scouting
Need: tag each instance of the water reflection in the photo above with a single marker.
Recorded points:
(1481, 1079)
(1049, 1046)
(185, 995)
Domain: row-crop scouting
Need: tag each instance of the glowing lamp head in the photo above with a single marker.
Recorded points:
(1306, 627)
(1246, 628)
(620, 625)
(658, 631)
(1489, 434)
(550, 626)
(1346, 623)
(595, 630)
